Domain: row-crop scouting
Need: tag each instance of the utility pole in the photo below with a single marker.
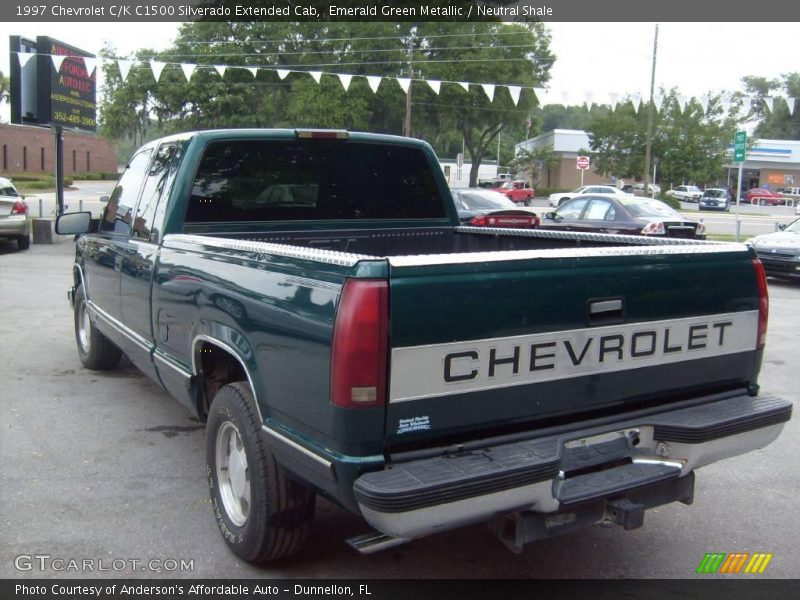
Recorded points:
(407, 125)
(650, 110)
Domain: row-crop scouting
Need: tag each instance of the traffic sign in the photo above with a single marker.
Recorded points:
(583, 162)
(739, 146)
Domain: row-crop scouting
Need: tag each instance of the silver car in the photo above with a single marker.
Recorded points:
(14, 219)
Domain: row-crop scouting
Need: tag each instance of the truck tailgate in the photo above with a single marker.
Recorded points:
(513, 339)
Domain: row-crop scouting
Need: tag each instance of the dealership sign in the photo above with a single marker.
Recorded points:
(52, 83)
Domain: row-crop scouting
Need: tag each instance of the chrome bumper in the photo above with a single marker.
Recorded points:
(549, 475)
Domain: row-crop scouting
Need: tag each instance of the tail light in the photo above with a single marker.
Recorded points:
(20, 208)
(763, 303)
(479, 221)
(654, 228)
(360, 345)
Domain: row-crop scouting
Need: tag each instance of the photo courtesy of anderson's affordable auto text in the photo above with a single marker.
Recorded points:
(404, 299)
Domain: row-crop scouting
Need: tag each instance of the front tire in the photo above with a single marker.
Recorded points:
(263, 515)
(96, 351)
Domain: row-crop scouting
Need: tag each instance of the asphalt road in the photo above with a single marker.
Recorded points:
(107, 466)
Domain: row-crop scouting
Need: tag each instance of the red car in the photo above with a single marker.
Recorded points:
(765, 197)
(517, 191)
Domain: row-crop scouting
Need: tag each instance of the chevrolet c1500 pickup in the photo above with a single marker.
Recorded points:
(312, 296)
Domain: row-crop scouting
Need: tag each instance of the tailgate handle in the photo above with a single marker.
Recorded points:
(605, 310)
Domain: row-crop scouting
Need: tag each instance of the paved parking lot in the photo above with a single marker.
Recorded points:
(108, 467)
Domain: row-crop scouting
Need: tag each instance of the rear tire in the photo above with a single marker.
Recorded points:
(24, 242)
(96, 351)
(262, 514)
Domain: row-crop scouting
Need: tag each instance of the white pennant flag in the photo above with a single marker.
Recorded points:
(488, 89)
(24, 57)
(435, 85)
(589, 98)
(790, 104)
(374, 81)
(317, 75)
(464, 85)
(613, 99)
(769, 102)
(747, 104)
(405, 83)
(90, 64)
(725, 103)
(705, 101)
(514, 92)
(221, 69)
(637, 102)
(681, 102)
(157, 67)
(124, 68)
(541, 95)
(345, 80)
(282, 73)
(658, 99)
(188, 70)
(57, 60)
(253, 71)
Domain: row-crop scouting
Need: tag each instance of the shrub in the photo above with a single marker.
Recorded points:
(670, 200)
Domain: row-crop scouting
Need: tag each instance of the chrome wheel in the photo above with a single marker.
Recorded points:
(233, 474)
(84, 329)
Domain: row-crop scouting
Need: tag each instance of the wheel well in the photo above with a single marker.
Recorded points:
(216, 367)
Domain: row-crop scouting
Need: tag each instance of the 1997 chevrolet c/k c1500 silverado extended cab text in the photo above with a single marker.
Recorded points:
(312, 296)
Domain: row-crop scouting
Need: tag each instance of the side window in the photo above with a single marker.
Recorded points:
(118, 215)
(572, 210)
(151, 193)
(598, 210)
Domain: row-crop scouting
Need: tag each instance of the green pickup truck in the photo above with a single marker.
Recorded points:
(312, 296)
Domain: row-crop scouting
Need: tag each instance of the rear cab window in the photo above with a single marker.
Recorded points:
(286, 180)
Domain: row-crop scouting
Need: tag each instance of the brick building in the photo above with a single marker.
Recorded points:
(26, 149)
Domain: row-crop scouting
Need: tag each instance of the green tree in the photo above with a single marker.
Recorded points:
(691, 144)
(778, 123)
(476, 52)
(5, 88)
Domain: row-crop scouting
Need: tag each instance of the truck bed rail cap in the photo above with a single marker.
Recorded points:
(642, 247)
(332, 257)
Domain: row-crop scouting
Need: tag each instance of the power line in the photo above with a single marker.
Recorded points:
(352, 39)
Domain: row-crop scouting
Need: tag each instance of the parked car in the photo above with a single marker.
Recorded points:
(686, 193)
(765, 197)
(779, 251)
(715, 199)
(517, 191)
(560, 197)
(486, 208)
(608, 213)
(15, 221)
(638, 188)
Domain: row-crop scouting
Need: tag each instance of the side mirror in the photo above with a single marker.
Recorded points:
(73, 223)
(781, 226)
(551, 215)
(104, 199)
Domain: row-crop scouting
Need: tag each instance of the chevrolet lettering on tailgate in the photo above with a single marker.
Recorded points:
(419, 372)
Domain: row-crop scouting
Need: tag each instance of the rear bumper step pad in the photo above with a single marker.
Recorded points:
(449, 478)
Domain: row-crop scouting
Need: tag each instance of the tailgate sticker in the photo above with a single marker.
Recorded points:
(458, 367)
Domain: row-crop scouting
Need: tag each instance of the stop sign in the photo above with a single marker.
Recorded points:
(583, 162)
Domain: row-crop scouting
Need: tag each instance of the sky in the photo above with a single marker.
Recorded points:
(600, 58)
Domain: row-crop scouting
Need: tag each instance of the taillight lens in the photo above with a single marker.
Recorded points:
(360, 342)
(20, 208)
(763, 303)
(479, 221)
(654, 228)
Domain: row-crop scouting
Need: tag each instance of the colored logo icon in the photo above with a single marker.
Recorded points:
(735, 563)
